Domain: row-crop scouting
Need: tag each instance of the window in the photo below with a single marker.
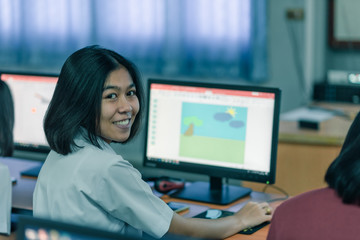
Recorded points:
(191, 38)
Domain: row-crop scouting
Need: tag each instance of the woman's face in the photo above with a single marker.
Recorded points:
(119, 106)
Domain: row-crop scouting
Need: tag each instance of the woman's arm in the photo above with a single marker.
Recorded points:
(250, 215)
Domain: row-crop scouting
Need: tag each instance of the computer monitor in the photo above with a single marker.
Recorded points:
(33, 228)
(31, 93)
(220, 130)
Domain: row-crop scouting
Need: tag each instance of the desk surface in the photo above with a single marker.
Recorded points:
(197, 207)
(23, 191)
(331, 132)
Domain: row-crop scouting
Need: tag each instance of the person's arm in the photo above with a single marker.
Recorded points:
(250, 215)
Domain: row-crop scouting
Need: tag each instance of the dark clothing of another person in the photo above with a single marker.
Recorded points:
(315, 215)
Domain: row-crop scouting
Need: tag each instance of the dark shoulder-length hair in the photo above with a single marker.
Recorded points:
(6, 120)
(343, 175)
(77, 97)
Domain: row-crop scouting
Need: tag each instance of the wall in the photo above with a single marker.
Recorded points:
(296, 49)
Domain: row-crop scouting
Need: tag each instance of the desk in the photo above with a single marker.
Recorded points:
(23, 191)
(197, 207)
(305, 155)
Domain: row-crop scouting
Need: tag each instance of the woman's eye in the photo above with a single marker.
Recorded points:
(131, 93)
(111, 96)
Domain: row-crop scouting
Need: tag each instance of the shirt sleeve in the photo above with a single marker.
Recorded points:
(127, 197)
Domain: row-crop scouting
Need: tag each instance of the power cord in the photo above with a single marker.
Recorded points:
(280, 190)
(297, 55)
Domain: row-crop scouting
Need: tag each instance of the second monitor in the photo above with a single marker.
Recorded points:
(223, 131)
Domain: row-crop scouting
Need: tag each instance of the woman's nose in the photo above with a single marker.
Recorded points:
(124, 105)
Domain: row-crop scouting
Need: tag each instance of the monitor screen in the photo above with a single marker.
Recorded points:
(31, 228)
(31, 94)
(220, 130)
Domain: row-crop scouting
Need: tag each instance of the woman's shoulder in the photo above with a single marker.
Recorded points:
(104, 156)
(99, 166)
(309, 197)
(316, 193)
(86, 157)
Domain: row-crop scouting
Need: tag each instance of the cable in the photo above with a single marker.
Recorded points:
(296, 50)
(280, 190)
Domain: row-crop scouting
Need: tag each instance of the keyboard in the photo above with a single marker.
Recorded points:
(225, 213)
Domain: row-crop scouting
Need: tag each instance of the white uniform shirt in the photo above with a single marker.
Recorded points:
(5, 199)
(98, 188)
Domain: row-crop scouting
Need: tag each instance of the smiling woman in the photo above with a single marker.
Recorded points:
(119, 106)
(89, 80)
(98, 100)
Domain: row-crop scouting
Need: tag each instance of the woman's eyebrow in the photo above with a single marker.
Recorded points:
(117, 88)
(111, 87)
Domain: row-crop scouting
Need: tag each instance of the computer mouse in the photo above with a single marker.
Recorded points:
(213, 213)
(165, 184)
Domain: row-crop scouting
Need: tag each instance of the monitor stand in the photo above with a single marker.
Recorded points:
(214, 192)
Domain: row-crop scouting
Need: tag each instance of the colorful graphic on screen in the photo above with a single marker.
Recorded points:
(214, 132)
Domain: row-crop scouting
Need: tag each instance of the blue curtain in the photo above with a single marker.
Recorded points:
(184, 38)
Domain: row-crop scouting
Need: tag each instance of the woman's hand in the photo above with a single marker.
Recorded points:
(250, 215)
(253, 214)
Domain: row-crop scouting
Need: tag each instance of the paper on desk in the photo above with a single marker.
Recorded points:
(310, 114)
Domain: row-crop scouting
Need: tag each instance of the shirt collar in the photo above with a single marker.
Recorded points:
(82, 140)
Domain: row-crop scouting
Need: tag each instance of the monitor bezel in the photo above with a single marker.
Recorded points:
(83, 231)
(23, 146)
(214, 171)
